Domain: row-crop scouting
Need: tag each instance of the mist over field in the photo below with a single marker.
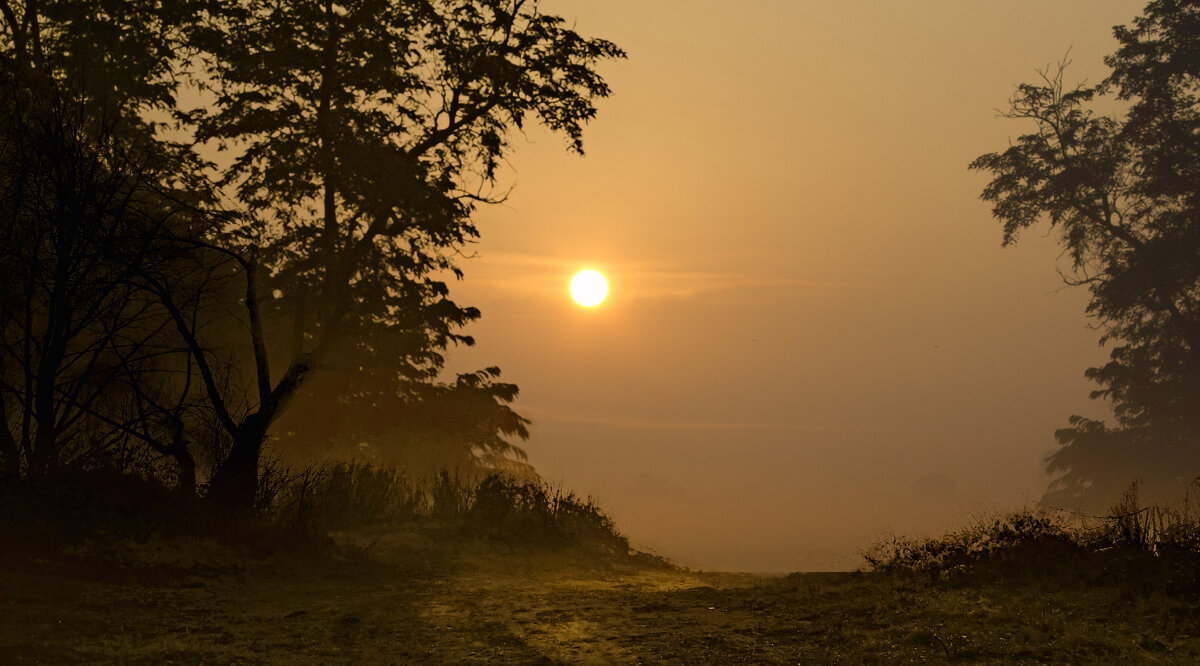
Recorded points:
(811, 314)
(551, 331)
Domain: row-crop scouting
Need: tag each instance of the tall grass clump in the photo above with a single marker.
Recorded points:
(1020, 538)
(1129, 538)
(346, 495)
(490, 507)
(508, 510)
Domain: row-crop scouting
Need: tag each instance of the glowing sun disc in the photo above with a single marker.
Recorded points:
(589, 288)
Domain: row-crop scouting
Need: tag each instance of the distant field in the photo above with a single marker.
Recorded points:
(399, 599)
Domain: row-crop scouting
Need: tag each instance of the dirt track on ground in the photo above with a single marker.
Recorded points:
(419, 606)
(528, 611)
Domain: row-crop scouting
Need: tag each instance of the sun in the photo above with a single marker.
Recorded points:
(589, 288)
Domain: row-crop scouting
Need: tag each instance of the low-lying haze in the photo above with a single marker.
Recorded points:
(813, 336)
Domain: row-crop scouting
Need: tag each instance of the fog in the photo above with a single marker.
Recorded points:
(813, 337)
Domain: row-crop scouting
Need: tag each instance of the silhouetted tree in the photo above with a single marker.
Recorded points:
(90, 198)
(363, 133)
(1123, 193)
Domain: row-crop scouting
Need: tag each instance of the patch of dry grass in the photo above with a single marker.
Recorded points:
(462, 586)
(427, 600)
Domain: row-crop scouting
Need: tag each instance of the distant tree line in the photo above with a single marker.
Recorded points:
(228, 221)
(1123, 193)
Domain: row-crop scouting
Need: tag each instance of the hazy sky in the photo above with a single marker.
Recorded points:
(813, 336)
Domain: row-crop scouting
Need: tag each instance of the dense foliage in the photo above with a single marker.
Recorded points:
(207, 203)
(1121, 192)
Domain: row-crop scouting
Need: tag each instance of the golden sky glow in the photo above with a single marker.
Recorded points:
(819, 338)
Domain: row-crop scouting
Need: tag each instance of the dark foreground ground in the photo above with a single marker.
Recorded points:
(397, 599)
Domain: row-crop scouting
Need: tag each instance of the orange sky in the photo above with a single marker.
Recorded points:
(812, 336)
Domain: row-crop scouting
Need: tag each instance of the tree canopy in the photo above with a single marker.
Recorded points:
(1121, 192)
(89, 195)
(366, 132)
(305, 216)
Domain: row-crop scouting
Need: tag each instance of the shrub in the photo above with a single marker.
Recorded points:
(77, 504)
(534, 512)
(1020, 537)
(344, 495)
(496, 508)
(1045, 540)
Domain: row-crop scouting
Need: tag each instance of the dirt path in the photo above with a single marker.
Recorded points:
(585, 617)
(538, 610)
(517, 610)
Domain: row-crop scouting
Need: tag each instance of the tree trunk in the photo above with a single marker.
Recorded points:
(44, 455)
(187, 473)
(10, 456)
(235, 485)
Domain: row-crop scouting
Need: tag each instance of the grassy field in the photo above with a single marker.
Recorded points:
(358, 565)
(403, 597)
